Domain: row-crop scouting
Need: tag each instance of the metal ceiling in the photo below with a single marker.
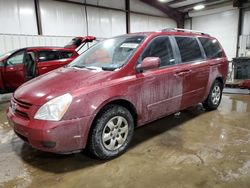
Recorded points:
(178, 9)
(187, 5)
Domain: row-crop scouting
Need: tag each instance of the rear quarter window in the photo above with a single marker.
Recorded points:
(48, 55)
(189, 49)
(211, 47)
(65, 54)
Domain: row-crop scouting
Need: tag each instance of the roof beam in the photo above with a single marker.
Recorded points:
(206, 3)
(239, 3)
(174, 2)
(38, 17)
(170, 12)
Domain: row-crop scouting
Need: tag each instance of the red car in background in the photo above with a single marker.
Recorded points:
(19, 66)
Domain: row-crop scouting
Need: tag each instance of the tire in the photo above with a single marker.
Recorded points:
(111, 133)
(214, 97)
(2, 91)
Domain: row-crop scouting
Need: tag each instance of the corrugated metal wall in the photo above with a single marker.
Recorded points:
(18, 17)
(150, 23)
(221, 23)
(244, 43)
(246, 23)
(138, 6)
(60, 21)
(11, 42)
(105, 23)
(119, 4)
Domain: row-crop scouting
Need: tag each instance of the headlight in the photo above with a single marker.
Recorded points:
(54, 109)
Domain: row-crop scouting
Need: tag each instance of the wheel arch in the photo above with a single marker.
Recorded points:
(220, 79)
(115, 101)
(210, 84)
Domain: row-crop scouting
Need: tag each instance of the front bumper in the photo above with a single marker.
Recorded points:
(51, 136)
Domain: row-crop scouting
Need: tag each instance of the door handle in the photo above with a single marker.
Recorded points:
(214, 64)
(43, 68)
(182, 73)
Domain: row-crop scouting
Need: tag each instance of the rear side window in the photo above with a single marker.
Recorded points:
(211, 48)
(65, 54)
(189, 49)
(160, 47)
(48, 55)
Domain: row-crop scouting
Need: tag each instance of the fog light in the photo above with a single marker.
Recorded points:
(48, 144)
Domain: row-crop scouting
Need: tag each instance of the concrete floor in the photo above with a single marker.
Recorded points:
(194, 149)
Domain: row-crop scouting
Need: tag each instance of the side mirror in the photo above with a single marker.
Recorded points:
(149, 63)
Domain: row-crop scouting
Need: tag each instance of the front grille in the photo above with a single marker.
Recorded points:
(20, 108)
(23, 114)
(23, 104)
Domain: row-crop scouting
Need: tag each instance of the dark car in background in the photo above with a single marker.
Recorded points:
(19, 66)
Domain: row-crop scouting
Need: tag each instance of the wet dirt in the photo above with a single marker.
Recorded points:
(192, 149)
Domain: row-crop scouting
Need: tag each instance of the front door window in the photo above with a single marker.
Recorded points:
(16, 59)
(160, 47)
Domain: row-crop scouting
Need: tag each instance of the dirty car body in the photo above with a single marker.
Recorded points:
(121, 83)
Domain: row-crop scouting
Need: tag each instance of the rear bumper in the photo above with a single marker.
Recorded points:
(51, 136)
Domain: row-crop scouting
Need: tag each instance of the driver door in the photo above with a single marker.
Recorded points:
(160, 89)
(13, 74)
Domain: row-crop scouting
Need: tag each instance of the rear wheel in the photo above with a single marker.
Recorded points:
(3, 91)
(214, 98)
(112, 132)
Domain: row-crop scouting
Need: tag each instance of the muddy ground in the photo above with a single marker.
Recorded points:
(194, 149)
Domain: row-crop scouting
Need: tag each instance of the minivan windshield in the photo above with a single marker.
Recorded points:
(109, 54)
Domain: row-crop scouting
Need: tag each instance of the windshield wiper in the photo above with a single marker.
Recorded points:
(79, 66)
(105, 68)
(85, 67)
(93, 68)
(110, 67)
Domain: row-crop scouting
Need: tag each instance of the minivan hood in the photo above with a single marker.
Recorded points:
(58, 82)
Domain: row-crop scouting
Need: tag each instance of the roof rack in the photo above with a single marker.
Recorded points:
(184, 30)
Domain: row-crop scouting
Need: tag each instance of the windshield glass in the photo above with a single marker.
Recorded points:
(75, 41)
(2, 56)
(109, 54)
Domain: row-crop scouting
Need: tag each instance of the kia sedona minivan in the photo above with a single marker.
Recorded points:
(119, 84)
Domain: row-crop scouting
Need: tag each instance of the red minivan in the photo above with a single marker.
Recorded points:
(118, 84)
(19, 66)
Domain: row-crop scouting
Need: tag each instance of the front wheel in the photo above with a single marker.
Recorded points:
(112, 132)
(214, 97)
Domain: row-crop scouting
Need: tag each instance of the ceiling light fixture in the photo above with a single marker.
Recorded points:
(199, 7)
(163, 1)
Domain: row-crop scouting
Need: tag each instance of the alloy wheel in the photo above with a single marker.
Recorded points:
(115, 133)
